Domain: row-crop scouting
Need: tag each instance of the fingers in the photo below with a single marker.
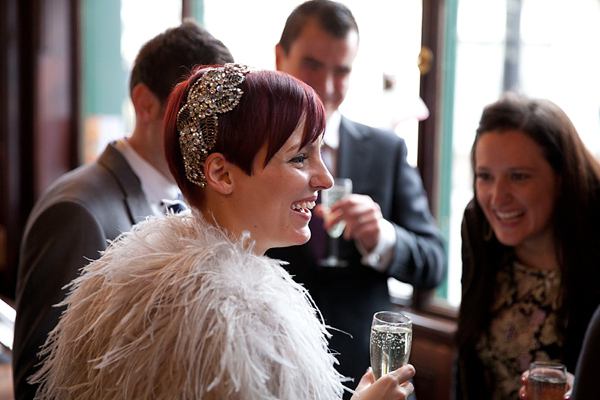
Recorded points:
(366, 380)
(524, 378)
(523, 389)
(396, 384)
(362, 222)
(355, 205)
(407, 389)
(399, 377)
(361, 215)
(403, 374)
(570, 382)
(393, 386)
(319, 210)
(523, 393)
(367, 234)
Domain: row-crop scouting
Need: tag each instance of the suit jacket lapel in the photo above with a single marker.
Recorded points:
(135, 199)
(355, 152)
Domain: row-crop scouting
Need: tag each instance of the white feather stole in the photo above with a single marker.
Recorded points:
(177, 310)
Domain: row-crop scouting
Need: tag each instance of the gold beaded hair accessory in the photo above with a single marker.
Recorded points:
(215, 92)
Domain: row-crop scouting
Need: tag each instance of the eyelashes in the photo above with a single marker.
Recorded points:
(299, 159)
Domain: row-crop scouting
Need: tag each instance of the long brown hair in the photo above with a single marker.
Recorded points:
(575, 217)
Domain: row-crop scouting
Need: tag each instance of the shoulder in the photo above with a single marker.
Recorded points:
(185, 244)
(78, 204)
(96, 186)
(197, 296)
(82, 185)
(73, 197)
(357, 129)
(371, 140)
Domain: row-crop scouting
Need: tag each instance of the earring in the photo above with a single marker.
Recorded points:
(488, 232)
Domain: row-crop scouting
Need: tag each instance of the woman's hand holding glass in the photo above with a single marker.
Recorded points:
(523, 395)
(391, 342)
(393, 386)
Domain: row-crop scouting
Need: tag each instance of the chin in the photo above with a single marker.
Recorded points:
(298, 239)
(306, 235)
(508, 240)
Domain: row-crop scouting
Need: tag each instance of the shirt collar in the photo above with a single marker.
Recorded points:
(332, 130)
(154, 184)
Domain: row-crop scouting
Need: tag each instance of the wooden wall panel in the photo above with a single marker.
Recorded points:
(56, 122)
(433, 356)
(39, 98)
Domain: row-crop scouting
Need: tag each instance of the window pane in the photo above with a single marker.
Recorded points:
(110, 46)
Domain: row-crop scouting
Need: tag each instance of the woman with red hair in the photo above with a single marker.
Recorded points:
(187, 306)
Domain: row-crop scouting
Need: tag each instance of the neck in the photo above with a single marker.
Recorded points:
(543, 257)
(218, 215)
(147, 147)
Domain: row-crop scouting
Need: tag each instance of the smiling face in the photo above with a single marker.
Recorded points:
(274, 203)
(516, 188)
(322, 61)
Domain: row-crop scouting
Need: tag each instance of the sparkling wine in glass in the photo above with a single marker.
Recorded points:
(547, 381)
(341, 188)
(391, 341)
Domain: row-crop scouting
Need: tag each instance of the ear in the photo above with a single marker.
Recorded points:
(218, 174)
(147, 105)
(279, 57)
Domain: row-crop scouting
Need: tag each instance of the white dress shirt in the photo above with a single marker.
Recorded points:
(155, 185)
(381, 256)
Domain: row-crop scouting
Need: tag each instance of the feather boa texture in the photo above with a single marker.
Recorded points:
(177, 310)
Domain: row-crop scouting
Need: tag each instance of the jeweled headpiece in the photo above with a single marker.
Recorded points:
(215, 92)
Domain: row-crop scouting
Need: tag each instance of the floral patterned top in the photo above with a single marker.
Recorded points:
(523, 326)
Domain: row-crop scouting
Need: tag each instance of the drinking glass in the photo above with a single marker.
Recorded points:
(391, 341)
(547, 381)
(341, 187)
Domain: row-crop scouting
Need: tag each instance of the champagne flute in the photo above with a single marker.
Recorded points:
(341, 187)
(391, 341)
(547, 381)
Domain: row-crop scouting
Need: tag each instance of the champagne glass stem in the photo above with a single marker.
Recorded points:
(334, 253)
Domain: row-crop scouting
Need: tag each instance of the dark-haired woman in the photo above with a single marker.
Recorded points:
(531, 247)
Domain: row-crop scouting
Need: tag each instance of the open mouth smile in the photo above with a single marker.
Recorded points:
(503, 216)
(304, 207)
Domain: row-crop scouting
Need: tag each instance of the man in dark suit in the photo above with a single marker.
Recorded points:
(86, 208)
(389, 229)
